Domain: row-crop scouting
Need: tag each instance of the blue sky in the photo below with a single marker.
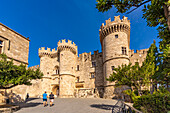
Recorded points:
(46, 22)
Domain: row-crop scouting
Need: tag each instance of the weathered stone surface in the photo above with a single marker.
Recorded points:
(15, 46)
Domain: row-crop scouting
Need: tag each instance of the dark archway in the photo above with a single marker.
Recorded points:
(55, 90)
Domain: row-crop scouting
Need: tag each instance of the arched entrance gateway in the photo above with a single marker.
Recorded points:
(55, 90)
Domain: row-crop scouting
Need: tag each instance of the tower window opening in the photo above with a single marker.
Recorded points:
(124, 50)
(78, 68)
(78, 79)
(92, 75)
(93, 64)
(113, 67)
(116, 36)
(57, 71)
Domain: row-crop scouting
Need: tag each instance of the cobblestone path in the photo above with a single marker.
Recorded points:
(69, 105)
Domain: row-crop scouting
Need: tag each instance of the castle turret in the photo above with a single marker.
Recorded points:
(46, 58)
(115, 40)
(67, 61)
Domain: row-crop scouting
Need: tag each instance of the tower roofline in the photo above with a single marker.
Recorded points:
(69, 45)
(117, 20)
(115, 26)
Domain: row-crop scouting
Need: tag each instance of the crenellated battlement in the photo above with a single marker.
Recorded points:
(46, 52)
(117, 25)
(71, 46)
(117, 20)
(85, 56)
(142, 51)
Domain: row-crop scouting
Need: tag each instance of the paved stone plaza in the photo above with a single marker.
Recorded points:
(69, 105)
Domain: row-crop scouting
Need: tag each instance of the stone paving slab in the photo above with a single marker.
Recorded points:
(69, 105)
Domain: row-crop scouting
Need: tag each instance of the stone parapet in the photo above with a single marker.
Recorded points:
(47, 52)
(84, 56)
(63, 45)
(142, 51)
(139, 56)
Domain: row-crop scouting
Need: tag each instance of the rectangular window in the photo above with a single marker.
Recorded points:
(93, 64)
(57, 71)
(1, 46)
(9, 45)
(124, 50)
(78, 79)
(116, 36)
(78, 68)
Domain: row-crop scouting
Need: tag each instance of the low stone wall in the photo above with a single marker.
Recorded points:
(84, 93)
(18, 93)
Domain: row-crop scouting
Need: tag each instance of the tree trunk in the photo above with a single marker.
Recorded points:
(151, 87)
(167, 14)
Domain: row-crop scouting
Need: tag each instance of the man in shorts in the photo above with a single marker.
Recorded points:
(51, 96)
(45, 99)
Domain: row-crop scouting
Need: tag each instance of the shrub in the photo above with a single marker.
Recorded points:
(145, 92)
(157, 102)
(132, 94)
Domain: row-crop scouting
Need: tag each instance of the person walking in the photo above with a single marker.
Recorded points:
(27, 96)
(51, 96)
(45, 99)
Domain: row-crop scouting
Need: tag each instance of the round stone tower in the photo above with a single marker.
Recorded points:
(115, 40)
(67, 63)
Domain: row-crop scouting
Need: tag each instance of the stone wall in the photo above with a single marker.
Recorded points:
(99, 77)
(139, 56)
(15, 46)
(67, 86)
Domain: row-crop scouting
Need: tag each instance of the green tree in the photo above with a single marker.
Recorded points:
(137, 76)
(12, 75)
(150, 67)
(128, 75)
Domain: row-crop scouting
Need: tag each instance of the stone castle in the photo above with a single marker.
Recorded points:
(68, 75)
(65, 73)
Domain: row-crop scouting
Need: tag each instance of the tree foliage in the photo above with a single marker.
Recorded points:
(12, 75)
(158, 102)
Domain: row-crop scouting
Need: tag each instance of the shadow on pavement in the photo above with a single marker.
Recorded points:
(27, 104)
(103, 106)
(115, 108)
(29, 99)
